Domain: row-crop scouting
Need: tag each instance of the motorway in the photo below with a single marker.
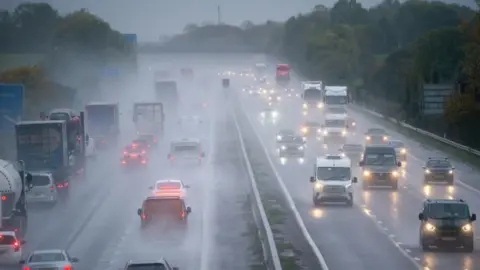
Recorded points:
(381, 230)
(98, 222)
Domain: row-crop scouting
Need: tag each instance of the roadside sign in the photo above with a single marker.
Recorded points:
(11, 106)
(131, 39)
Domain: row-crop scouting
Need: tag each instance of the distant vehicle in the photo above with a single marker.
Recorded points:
(274, 99)
(173, 208)
(226, 83)
(49, 259)
(134, 156)
(311, 129)
(166, 92)
(291, 147)
(376, 136)
(269, 114)
(446, 224)
(170, 188)
(400, 149)
(332, 180)
(312, 96)
(103, 123)
(11, 248)
(282, 74)
(260, 69)
(245, 73)
(336, 96)
(187, 72)
(380, 167)
(149, 120)
(352, 151)
(351, 124)
(160, 264)
(438, 170)
(186, 150)
(335, 129)
(285, 134)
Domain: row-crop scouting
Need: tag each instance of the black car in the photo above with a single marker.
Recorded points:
(164, 207)
(379, 167)
(438, 170)
(284, 133)
(446, 223)
(160, 264)
(376, 136)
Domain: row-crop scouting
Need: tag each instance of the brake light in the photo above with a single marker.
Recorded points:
(16, 246)
(52, 188)
(124, 162)
(125, 152)
(64, 185)
(183, 214)
(155, 140)
(134, 145)
(26, 268)
(4, 198)
(171, 158)
(144, 161)
(143, 216)
(143, 152)
(67, 267)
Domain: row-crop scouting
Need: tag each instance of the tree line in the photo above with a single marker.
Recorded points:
(73, 49)
(385, 54)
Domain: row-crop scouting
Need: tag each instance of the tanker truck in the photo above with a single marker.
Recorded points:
(14, 184)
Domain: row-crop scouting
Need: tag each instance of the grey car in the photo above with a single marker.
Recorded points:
(49, 259)
(44, 189)
(376, 136)
(380, 167)
(160, 264)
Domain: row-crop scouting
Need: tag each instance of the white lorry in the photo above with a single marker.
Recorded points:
(336, 96)
(14, 183)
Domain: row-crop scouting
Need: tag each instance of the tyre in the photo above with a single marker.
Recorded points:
(468, 246)
(424, 245)
(316, 202)
(350, 203)
(395, 185)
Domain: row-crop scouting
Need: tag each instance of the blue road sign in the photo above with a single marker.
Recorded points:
(131, 39)
(11, 106)
(111, 73)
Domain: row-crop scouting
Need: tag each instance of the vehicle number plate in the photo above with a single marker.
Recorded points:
(448, 238)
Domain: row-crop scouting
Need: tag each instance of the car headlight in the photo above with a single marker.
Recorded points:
(395, 173)
(279, 137)
(279, 98)
(429, 227)
(304, 130)
(344, 133)
(325, 133)
(250, 92)
(354, 124)
(320, 105)
(318, 186)
(427, 171)
(272, 91)
(283, 147)
(385, 138)
(366, 173)
(262, 114)
(467, 228)
(300, 147)
(305, 105)
(269, 98)
(368, 138)
(450, 172)
(274, 114)
(403, 151)
(301, 160)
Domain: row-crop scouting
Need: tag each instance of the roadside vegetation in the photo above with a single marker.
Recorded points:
(385, 54)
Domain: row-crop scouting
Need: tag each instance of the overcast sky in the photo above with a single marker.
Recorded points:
(153, 18)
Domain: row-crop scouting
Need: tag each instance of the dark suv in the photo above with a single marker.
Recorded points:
(438, 170)
(446, 223)
(379, 167)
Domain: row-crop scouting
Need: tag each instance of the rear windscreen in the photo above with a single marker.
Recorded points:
(60, 116)
(185, 148)
(40, 180)
(147, 266)
(6, 239)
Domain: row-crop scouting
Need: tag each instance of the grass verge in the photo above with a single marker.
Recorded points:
(461, 155)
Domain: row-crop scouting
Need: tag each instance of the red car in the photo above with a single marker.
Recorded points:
(134, 155)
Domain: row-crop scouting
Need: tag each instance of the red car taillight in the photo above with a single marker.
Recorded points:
(16, 246)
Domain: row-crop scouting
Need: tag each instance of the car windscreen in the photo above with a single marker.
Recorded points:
(335, 123)
(333, 173)
(448, 211)
(312, 94)
(147, 266)
(47, 257)
(40, 180)
(59, 116)
(380, 159)
(163, 206)
(438, 163)
(337, 110)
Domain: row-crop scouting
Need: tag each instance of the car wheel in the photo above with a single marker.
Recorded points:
(468, 246)
(395, 185)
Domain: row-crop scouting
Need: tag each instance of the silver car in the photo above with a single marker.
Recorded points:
(49, 259)
(43, 189)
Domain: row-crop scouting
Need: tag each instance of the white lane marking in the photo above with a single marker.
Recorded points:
(294, 209)
(207, 208)
(392, 238)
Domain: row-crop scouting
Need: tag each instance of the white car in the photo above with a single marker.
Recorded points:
(10, 248)
(170, 188)
(90, 148)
